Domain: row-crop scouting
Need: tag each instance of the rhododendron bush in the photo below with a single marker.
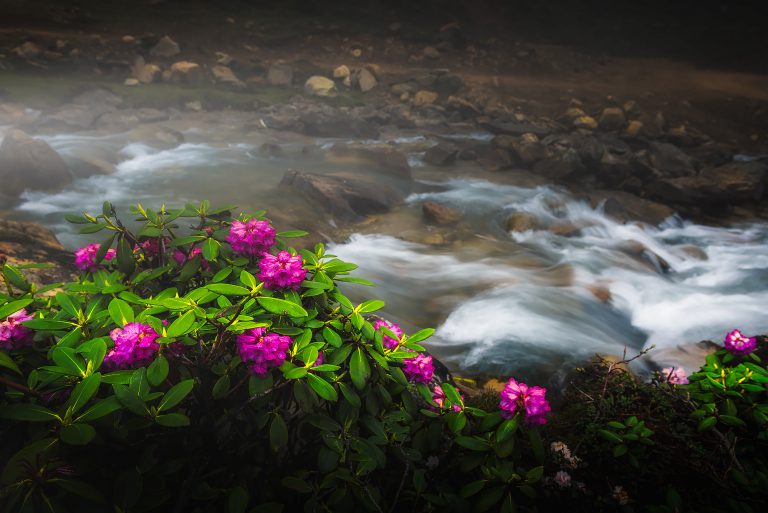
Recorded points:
(198, 363)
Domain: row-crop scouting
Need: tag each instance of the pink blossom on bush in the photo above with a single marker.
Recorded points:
(135, 346)
(532, 400)
(262, 351)
(388, 342)
(562, 479)
(181, 258)
(419, 369)
(251, 238)
(13, 334)
(150, 247)
(737, 343)
(438, 397)
(674, 376)
(281, 271)
(85, 258)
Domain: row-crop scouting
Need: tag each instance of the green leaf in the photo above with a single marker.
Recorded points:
(732, 420)
(421, 335)
(247, 279)
(350, 395)
(295, 373)
(28, 412)
(282, 307)
(7, 362)
(278, 432)
(451, 394)
(330, 336)
(472, 488)
(221, 387)
(472, 443)
(322, 387)
(48, 324)
(620, 450)
(120, 312)
(77, 434)
(371, 306)
(172, 420)
(176, 394)
(258, 385)
(67, 358)
(506, 429)
(707, 423)
(211, 249)
(238, 500)
(100, 409)
(125, 261)
(359, 368)
(292, 233)
(296, 484)
(84, 391)
(15, 278)
(358, 281)
(182, 325)
(610, 436)
(75, 219)
(93, 228)
(228, 289)
(15, 306)
(157, 371)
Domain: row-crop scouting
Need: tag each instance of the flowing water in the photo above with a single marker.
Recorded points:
(531, 303)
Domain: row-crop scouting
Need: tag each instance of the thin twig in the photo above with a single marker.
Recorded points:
(20, 388)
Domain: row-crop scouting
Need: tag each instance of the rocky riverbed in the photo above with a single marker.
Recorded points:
(535, 202)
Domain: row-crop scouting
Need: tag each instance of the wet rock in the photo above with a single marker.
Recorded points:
(564, 229)
(146, 73)
(366, 80)
(712, 154)
(601, 293)
(345, 199)
(515, 128)
(317, 85)
(131, 82)
(27, 50)
(521, 222)
(424, 97)
(194, 106)
(185, 72)
(27, 163)
(156, 136)
(404, 87)
(90, 166)
(493, 159)
(557, 167)
(98, 98)
(25, 243)
(437, 213)
(694, 252)
(526, 149)
(16, 115)
(165, 48)
(466, 108)
(280, 74)
(728, 184)
(383, 157)
(224, 75)
(669, 161)
(450, 83)
(127, 118)
(77, 116)
(634, 128)
(652, 125)
(612, 118)
(271, 150)
(450, 35)
(625, 207)
(341, 72)
(441, 154)
(430, 52)
(585, 122)
(324, 121)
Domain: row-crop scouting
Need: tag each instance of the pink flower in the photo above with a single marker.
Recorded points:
(85, 258)
(562, 479)
(737, 343)
(262, 351)
(438, 396)
(13, 334)
(135, 346)
(674, 376)
(181, 258)
(282, 271)
(419, 368)
(150, 247)
(319, 360)
(251, 238)
(532, 400)
(389, 342)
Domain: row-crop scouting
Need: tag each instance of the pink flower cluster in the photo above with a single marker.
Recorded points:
(389, 342)
(737, 343)
(134, 346)
(419, 369)
(438, 397)
(251, 238)
(532, 400)
(150, 247)
(281, 271)
(85, 258)
(674, 376)
(262, 351)
(13, 334)
(181, 258)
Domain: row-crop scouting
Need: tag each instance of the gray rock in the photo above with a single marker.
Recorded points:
(437, 213)
(330, 122)
(27, 163)
(564, 165)
(27, 50)
(383, 157)
(729, 184)
(224, 75)
(165, 48)
(450, 83)
(612, 118)
(366, 81)
(345, 199)
(441, 154)
(669, 161)
(185, 72)
(521, 222)
(147, 73)
(317, 85)
(515, 128)
(280, 74)
(271, 150)
(430, 52)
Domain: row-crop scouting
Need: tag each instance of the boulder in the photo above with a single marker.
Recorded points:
(561, 166)
(341, 72)
(585, 122)
(317, 85)
(424, 97)
(521, 222)
(669, 161)
(366, 81)
(625, 207)
(450, 83)
(437, 213)
(525, 150)
(27, 50)
(271, 150)
(146, 73)
(345, 199)
(430, 52)
(185, 72)
(280, 74)
(729, 184)
(165, 48)
(327, 121)
(382, 157)
(26, 243)
(98, 98)
(27, 163)
(401, 88)
(156, 136)
(612, 118)
(16, 115)
(128, 118)
(224, 75)
(441, 154)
